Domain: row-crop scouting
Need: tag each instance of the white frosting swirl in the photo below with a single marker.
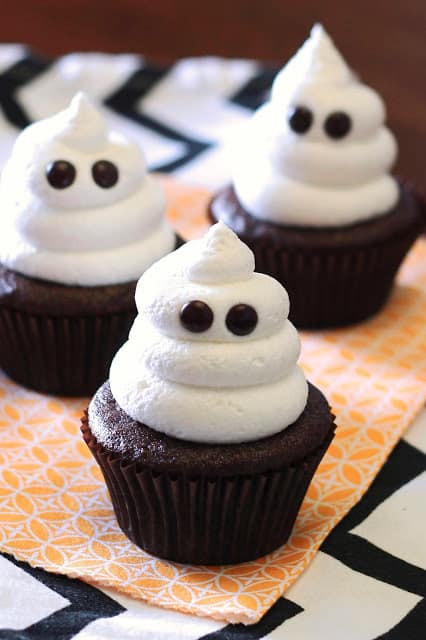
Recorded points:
(212, 386)
(83, 234)
(310, 178)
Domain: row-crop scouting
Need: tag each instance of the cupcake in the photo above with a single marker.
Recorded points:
(207, 432)
(312, 195)
(81, 220)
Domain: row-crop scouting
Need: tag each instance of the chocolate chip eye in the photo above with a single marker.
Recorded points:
(241, 319)
(60, 174)
(337, 125)
(105, 174)
(196, 316)
(300, 119)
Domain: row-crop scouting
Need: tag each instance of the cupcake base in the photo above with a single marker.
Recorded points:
(61, 339)
(334, 276)
(206, 504)
(67, 355)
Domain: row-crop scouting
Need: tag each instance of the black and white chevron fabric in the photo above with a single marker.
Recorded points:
(369, 579)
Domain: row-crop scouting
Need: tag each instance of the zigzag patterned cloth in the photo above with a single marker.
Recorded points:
(368, 581)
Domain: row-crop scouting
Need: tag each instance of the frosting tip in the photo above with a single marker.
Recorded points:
(80, 99)
(218, 247)
(317, 31)
(220, 234)
(83, 125)
(318, 60)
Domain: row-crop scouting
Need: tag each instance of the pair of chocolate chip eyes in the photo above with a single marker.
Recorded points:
(61, 174)
(337, 125)
(196, 316)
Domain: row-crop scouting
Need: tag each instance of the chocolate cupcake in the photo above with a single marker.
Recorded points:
(82, 220)
(311, 193)
(207, 432)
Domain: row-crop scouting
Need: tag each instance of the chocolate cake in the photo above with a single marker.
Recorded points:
(312, 194)
(82, 219)
(218, 497)
(136, 442)
(207, 432)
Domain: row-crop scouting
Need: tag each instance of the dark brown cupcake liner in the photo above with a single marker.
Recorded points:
(66, 355)
(335, 288)
(333, 277)
(61, 339)
(200, 519)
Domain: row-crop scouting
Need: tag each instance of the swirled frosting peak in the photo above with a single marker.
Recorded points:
(77, 204)
(80, 126)
(318, 153)
(221, 257)
(317, 60)
(209, 358)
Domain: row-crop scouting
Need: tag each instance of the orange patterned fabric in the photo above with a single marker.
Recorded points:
(55, 511)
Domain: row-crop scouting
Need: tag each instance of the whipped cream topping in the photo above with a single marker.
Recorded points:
(218, 260)
(318, 153)
(78, 205)
(211, 356)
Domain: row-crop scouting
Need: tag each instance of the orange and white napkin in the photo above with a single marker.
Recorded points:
(55, 511)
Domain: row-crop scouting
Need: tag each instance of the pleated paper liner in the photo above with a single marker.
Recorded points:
(66, 355)
(67, 348)
(343, 288)
(55, 511)
(207, 516)
(329, 286)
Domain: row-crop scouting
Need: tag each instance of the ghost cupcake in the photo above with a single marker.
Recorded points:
(207, 431)
(312, 194)
(81, 220)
